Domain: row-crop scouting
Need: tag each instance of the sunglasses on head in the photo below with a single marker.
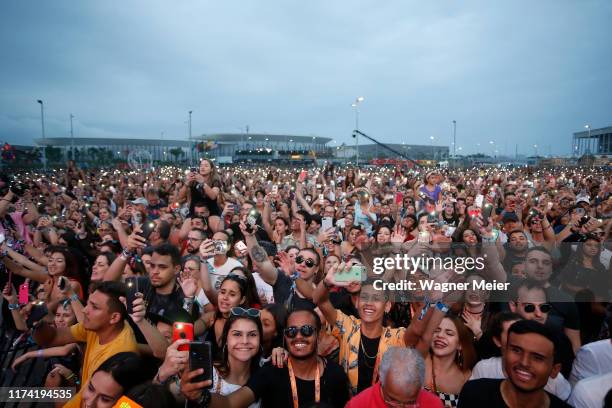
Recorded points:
(309, 262)
(240, 311)
(544, 307)
(306, 331)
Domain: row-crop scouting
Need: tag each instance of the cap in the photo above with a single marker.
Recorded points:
(140, 201)
(583, 199)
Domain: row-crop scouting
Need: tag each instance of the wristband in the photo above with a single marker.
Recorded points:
(442, 307)
(126, 254)
(74, 297)
(39, 353)
(13, 306)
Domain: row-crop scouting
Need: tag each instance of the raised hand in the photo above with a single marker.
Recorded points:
(207, 248)
(284, 262)
(399, 234)
(330, 277)
(135, 241)
(175, 360)
(189, 286)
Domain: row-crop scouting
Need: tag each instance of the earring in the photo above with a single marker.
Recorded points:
(460, 358)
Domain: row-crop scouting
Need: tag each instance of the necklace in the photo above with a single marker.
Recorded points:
(473, 313)
(364, 351)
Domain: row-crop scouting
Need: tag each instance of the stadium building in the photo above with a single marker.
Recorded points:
(593, 141)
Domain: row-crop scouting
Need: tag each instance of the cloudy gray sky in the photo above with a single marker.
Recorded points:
(515, 72)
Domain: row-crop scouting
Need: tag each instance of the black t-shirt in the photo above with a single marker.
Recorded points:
(486, 392)
(285, 294)
(160, 304)
(200, 198)
(272, 385)
(365, 365)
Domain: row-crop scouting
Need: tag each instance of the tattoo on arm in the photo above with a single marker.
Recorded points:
(259, 254)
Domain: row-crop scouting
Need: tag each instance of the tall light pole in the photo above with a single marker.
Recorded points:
(355, 106)
(588, 128)
(190, 150)
(42, 122)
(454, 142)
(433, 151)
(71, 137)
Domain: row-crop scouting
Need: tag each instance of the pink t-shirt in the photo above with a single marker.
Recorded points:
(372, 398)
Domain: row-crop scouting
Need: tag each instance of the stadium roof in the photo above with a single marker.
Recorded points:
(260, 137)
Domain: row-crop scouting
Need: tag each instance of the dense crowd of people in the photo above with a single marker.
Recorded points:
(270, 278)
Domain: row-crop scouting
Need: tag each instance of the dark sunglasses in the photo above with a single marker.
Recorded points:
(240, 311)
(309, 262)
(544, 307)
(306, 331)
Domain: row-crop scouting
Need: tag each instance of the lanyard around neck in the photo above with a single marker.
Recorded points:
(294, 393)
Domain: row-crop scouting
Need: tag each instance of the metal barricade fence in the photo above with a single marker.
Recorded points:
(30, 373)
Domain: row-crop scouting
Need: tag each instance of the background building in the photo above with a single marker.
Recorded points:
(228, 148)
(89, 149)
(254, 147)
(368, 152)
(593, 141)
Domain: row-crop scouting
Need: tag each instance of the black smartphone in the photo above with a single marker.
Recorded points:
(486, 213)
(39, 311)
(147, 228)
(193, 169)
(132, 289)
(200, 356)
(61, 284)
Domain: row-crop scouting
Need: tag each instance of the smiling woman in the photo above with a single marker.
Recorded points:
(241, 351)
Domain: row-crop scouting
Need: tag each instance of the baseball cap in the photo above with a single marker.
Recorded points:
(140, 200)
(583, 199)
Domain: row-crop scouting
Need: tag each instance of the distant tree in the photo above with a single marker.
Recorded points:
(54, 154)
(176, 152)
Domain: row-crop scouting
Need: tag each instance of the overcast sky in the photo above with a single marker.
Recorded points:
(513, 72)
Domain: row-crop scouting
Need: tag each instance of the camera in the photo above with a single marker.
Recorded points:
(220, 247)
(251, 221)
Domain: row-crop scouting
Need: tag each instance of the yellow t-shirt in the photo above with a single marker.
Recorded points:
(96, 353)
(347, 329)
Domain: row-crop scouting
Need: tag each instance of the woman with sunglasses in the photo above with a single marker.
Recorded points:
(305, 380)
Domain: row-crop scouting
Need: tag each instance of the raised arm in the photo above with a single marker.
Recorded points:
(155, 339)
(49, 336)
(134, 242)
(265, 267)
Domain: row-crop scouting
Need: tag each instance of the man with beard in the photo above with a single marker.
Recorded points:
(516, 247)
(195, 237)
(103, 329)
(530, 358)
(306, 379)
